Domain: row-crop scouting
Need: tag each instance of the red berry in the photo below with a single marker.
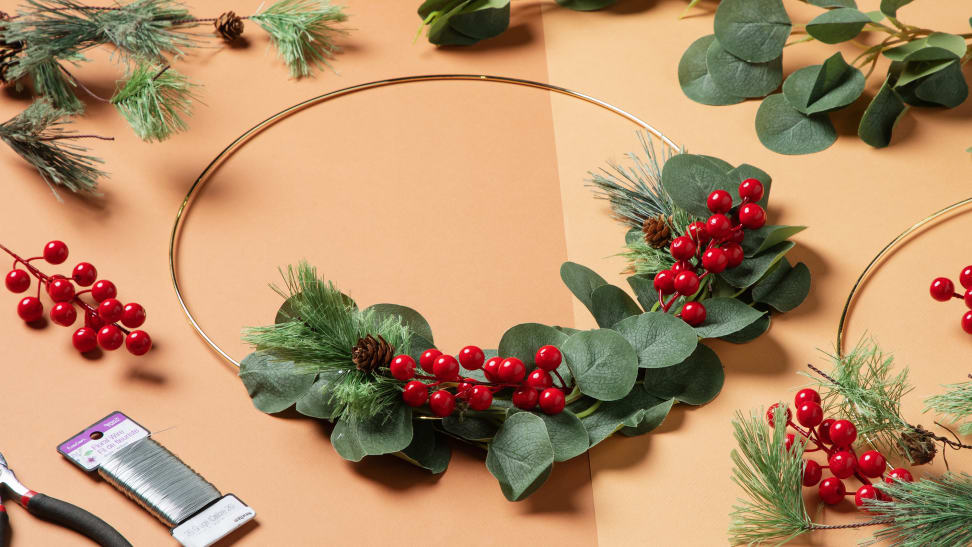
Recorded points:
(809, 414)
(968, 298)
(138, 342)
(442, 403)
(752, 216)
(696, 231)
(471, 357)
(415, 393)
(64, 314)
(942, 289)
(402, 367)
(464, 386)
(831, 490)
(60, 290)
(539, 379)
(736, 236)
(85, 339)
(900, 474)
(18, 281)
(480, 398)
(511, 371)
(428, 358)
(686, 283)
(965, 278)
(771, 411)
(525, 397)
(806, 396)
(866, 492)
(683, 248)
(103, 290)
(790, 439)
(715, 260)
(55, 252)
(110, 337)
(680, 266)
(110, 310)
(552, 401)
(811, 473)
(92, 321)
(734, 252)
(872, 463)
(665, 281)
(548, 358)
(824, 431)
(842, 464)
(751, 189)
(719, 201)
(446, 368)
(718, 226)
(693, 313)
(491, 368)
(967, 322)
(133, 315)
(84, 274)
(30, 309)
(843, 433)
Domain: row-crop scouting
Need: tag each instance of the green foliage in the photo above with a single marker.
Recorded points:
(602, 362)
(520, 456)
(690, 178)
(611, 304)
(273, 384)
(752, 30)
(464, 22)
(786, 130)
(638, 410)
(303, 32)
(955, 404)
(695, 381)
(925, 512)
(741, 78)
(696, 80)
(155, 101)
(725, 316)
(784, 287)
(387, 433)
(660, 340)
(838, 25)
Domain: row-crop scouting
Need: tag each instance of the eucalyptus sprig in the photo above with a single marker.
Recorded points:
(743, 59)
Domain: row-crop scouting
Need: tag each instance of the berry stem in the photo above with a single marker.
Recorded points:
(589, 410)
(563, 384)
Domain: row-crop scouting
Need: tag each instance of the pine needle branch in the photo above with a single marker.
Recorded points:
(302, 32)
(925, 512)
(155, 101)
(37, 134)
(955, 404)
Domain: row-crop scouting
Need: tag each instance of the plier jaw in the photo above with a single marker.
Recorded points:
(9, 482)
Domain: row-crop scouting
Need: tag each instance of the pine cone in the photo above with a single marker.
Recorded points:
(657, 232)
(229, 26)
(921, 449)
(370, 353)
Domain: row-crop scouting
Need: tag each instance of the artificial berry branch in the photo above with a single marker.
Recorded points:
(943, 290)
(106, 324)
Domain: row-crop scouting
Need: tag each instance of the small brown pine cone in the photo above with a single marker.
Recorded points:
(657, 232)
(920, 448)
(371, 353)
(229, 26)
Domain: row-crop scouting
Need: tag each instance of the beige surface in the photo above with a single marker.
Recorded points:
(460, 200)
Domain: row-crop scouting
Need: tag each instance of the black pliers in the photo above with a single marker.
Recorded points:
(54, 510)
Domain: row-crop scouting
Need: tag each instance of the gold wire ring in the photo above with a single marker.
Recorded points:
(877, 258)
(245, 137)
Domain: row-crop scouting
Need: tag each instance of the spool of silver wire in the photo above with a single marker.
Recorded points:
(158, 481)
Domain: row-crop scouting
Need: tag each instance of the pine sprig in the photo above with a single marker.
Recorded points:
(956, 404)
(155, 101)
(38, 136)
(53, 84)
(770, 475)
(303, 32)
(925, 512)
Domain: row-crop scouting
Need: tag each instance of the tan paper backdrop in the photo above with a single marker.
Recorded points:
(460, 199)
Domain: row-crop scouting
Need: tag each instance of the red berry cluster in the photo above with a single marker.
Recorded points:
(101, 320)
(529, 390)
(835, 439)
(715, 246)
(943, 290)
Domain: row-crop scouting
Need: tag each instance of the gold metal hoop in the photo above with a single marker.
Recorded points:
(256, 129)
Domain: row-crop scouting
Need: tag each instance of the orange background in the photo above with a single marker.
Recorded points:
(460, 199)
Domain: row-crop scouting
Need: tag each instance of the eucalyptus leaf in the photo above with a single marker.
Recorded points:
(382, 434)
(522, 341)
(945, 88)
(418, 345)
(689, 179)
(752, 269)
(409, 317)
(633, 410)
(602, 362)
(695, 79)
(586, 5)
(317, 401)
(521, 456)
(760, 239)
(746, 171)
(466, 22)
(581, 281)
(566, 433)
(753, 331)
(880, 117)
(785, 287)
(695, 381)
(611, 304)
(720, 163)
(648, 420)
(286, 312)
(428, 449)
(838, 25)
(822, 88)
(923, 63)
(659, 339)
(274, 385)
(949, 42)
(644, 289)
(470, 428)
(786, 130)
(742, 78)
(891, 7)
(833, 3)
(754, 30)
(724, 316)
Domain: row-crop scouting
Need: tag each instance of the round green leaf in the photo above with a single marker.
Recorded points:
(763, 238)
(647, 420)
(946, 87)
(742, 78)
(383, 434)
(695, 381)
(752, 269)
(274, 385)
(689, 179)
(750, 333)
(409, 317)
(602, 362)
(754, 30)
(586, 5)
(891, 7)
(317, 402)
(822, 88)
(470, 428)
(724, 316)
(428, 449)
(482, 19)
(833, 3)
(949, 42)
(785, 287)
(694, 77)
(611, 304)
(659, 339)
(786, 130)
(839, 25)
(644, 288)
(566, 433)
(520, 456)
(581, 281)
(638, 408)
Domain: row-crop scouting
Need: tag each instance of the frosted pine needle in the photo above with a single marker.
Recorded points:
(955, 404)
(155, 101)
(303, 32)
(925, 512)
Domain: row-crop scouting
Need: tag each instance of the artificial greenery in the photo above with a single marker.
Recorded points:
(45, 37)
(925, 512)
(955, 404)
(742, 59)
